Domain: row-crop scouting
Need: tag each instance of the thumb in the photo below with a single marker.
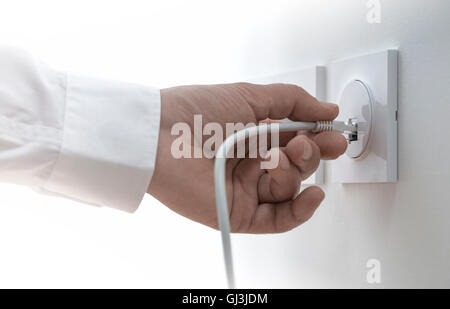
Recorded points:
(279, 101)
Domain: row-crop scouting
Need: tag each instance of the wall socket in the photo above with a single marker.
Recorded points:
(366, 89)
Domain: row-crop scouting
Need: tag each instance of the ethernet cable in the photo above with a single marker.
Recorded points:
(227, 146)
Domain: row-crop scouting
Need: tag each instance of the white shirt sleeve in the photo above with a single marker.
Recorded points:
(88, 139)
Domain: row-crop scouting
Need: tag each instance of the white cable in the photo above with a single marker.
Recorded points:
(220, 174)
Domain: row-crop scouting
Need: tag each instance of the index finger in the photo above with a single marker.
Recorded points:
(279, 101)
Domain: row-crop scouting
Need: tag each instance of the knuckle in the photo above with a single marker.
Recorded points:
(243, 84)
(296, 88)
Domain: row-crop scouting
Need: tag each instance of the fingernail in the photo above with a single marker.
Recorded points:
(329, 104)
(307, 151)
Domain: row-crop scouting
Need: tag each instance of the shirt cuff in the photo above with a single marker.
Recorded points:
(109, 143)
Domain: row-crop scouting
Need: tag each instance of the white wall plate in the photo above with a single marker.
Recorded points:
(366, 89)
(313, 80)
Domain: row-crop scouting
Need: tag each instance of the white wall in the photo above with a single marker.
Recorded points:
(50, 242)
(404, 225)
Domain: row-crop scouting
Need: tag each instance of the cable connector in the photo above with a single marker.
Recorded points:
(348, 128)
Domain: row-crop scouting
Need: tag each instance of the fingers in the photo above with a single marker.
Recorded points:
(280, 183)
(331, 144)
(279, 218)
(296, 162)
(305, 154)
(279, 101)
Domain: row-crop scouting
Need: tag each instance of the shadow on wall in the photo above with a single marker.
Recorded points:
(373, 200)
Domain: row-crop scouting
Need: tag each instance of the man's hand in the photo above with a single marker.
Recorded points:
(260, 201)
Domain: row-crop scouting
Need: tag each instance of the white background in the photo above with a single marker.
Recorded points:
(51, 242)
